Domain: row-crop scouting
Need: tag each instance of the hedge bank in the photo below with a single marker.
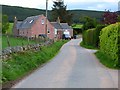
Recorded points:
(109, 42)
(88, 37)
(91, 36)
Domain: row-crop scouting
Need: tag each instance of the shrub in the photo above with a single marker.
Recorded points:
(109, 42)
(89, 23)
(97, 34)
(91, 36)
(88, 37)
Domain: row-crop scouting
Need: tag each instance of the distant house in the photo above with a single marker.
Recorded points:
(60, 28)
(33, 26)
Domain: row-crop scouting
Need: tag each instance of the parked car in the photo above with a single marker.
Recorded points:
(66, 36)
(43, 35)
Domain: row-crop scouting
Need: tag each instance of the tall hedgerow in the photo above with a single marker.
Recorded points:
(110, 43)
(88, 37)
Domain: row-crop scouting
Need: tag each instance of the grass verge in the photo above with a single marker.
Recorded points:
(105, 60)
(22, 63)
(87, 46)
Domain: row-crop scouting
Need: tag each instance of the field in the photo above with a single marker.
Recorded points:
(77, 25)
(14, 41)
(10, 28)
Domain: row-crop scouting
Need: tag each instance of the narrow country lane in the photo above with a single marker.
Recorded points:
(73, 67)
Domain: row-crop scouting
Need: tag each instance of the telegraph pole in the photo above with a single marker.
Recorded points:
(46, 26)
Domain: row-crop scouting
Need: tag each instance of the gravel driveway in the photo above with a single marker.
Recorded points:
(73, 67)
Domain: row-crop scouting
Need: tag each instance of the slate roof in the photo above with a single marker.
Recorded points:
(56, 25)
(27, 23)
(61, 25)
(18, 25)
(65, 26)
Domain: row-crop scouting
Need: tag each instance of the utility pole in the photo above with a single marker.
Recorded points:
(46, 26)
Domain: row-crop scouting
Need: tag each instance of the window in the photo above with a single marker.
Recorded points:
(31, 21)
(42, 21)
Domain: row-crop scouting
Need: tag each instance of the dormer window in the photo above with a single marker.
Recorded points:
(31, 21)
(42, 21)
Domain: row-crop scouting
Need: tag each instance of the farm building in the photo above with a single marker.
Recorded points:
(60, 28)
(33, 26)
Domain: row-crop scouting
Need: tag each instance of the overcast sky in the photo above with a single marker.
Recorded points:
(99, 5)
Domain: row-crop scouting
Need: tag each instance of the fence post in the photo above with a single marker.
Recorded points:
(28, 39)
(35, 39)
(8, 42)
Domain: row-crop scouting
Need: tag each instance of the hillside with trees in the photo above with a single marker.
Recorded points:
(21, 13)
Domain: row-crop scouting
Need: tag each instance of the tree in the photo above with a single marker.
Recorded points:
(89, 23)
(5, 24)
(110, 17)
(59, 10)
(118, 18)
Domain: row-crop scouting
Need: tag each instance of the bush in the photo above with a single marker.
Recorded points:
(88, 37)
(109, 42)
(5, 24)
(89, 23)
(97, 34)
(91, 36)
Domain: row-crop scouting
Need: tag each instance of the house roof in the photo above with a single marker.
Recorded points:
(56, 25)
(18, 24)
(27, 23)
(65, 26)
(61, 25)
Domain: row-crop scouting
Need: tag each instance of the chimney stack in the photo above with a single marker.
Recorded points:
(58, 20)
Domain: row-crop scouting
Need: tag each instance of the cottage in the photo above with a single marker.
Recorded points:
(60, 28)
(33, 26)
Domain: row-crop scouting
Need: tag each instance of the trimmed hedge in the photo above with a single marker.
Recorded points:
(91, 36)
(97, 34)
(109, 42)
(88, 37)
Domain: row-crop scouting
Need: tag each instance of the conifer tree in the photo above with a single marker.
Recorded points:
(59, 10)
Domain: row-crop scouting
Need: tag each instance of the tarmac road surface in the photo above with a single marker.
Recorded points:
(73, 67)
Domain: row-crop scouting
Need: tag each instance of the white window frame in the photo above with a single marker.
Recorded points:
(42, 21)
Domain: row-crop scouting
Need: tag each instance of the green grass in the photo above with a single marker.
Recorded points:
(105, 60)
(77, 25)
(22, 63)
(87, 46)
(10, 28)
(14, 41)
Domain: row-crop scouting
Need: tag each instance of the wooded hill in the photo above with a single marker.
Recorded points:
(21, 13)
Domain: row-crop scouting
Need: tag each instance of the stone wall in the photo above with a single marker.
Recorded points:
(10, 50)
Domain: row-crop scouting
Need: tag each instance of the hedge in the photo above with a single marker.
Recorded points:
(91, 36)
(97, 34)
(109, 42)
(88, 37)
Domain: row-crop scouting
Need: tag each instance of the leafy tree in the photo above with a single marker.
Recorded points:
(110, 17)
(118, 18)
(5, 24)
(59, 10)
(89, 23)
